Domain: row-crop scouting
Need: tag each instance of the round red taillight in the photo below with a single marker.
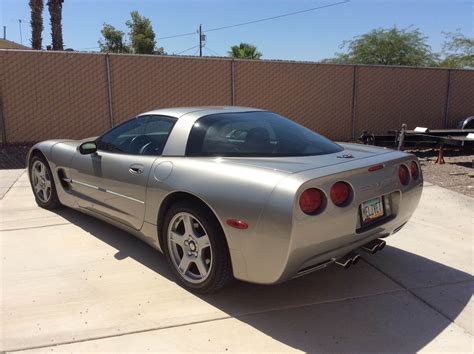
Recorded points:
(415, 173)
(404, 175)
(311, 200)
(341, 193)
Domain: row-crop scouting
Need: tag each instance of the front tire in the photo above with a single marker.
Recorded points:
(42, 183)
(196, 248)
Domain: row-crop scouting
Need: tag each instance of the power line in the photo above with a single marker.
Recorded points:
(259, 20)
(212, 51)
(178, 35)
(278, 16)
(187, 49)
(176, 53)
(246, 23)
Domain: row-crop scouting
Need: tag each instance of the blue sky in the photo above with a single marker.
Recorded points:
(309, 36)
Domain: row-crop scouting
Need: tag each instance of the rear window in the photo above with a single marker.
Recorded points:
(255, 134)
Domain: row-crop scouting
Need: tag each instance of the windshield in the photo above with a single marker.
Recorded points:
(255, 134)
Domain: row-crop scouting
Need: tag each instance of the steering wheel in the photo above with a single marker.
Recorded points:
(137, 143)
(146, 149)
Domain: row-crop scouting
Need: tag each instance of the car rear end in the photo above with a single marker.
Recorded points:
(317, 216)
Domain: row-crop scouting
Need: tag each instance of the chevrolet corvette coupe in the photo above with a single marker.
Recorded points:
(230, 192)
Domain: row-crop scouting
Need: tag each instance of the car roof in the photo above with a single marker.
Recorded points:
(178, 112)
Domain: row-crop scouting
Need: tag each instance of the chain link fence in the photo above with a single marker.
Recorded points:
(47, 95)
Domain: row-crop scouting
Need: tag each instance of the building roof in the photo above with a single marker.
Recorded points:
(6, 44)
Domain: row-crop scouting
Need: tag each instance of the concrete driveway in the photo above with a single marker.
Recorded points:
(72, 283)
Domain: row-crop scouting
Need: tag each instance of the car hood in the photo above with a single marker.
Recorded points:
(296, 164)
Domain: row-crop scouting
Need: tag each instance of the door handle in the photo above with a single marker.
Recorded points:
(136, 169)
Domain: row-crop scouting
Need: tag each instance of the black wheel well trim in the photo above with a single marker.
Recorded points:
(35, 152)
(176, 197)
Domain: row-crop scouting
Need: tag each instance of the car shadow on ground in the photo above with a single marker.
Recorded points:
(328, 310)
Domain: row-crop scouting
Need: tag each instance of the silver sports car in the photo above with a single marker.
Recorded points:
(232, 192)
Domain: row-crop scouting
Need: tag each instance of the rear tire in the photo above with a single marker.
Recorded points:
(42, 183)
(196, 249)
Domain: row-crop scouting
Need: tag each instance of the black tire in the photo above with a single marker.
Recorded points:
(221, 270)
(53, 201)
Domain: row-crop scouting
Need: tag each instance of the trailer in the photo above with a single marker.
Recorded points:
(422, 137)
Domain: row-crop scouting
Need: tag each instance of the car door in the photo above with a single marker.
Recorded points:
(113, 180)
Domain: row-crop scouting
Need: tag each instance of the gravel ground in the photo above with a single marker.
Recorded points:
(456, 174)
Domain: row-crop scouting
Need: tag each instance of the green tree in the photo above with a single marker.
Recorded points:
(391, 46)
(113, 40)
(55, 13)
(244, 51)
(142, 36)
(36, 22)
(458, 51)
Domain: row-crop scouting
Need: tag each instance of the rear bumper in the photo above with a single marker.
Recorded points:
(285, 248)
(321, 260)
(314, 251)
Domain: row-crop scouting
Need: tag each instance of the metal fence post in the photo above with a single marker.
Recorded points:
(109, 89)
(3, 135)
(354, 97)
(232, 78)
(448, 99)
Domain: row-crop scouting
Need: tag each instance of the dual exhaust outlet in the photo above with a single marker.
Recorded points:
(374, 246)
(348, 260)
(353, 258)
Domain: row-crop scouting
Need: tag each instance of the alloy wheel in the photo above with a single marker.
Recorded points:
(41, 181)
(189, 247)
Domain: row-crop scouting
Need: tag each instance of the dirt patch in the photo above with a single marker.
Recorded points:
(456, 174)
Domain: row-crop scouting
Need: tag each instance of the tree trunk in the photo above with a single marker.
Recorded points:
(55, 12)
(36, 23)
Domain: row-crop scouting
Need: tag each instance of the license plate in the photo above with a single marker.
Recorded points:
(371, 210)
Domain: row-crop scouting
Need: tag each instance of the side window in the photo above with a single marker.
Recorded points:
(157, 132)
(145, 135)
(124, 138)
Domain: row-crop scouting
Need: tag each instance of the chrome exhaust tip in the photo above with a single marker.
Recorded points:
(373, 246)
(348, 260)
(344, 263)
(356, 259)
(372, 249)
(381, 245)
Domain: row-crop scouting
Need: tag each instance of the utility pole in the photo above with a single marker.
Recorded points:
(200, 40)
(21, 36)
(4, 32)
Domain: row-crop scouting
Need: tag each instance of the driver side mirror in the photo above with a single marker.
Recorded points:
(88, 147)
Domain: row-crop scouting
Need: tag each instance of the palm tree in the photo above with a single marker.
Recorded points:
(55, 12)
(244, 51)
(36, 22)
